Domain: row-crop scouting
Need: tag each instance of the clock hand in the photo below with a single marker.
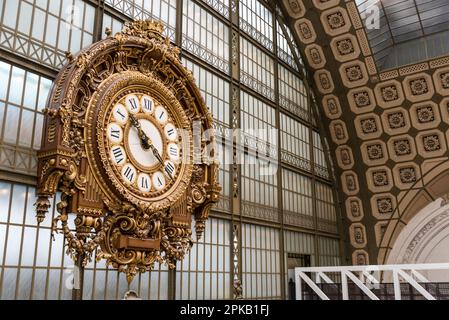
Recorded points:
(159, 158)
(144, 140)
(147, 144)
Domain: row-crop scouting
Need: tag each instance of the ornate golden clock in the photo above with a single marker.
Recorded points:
(119, 144)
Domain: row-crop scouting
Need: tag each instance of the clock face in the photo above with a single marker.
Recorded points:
(144, 144)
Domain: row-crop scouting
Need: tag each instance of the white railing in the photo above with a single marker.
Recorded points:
(366, 278)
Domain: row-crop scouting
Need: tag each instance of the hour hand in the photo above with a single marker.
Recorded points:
(144, 140)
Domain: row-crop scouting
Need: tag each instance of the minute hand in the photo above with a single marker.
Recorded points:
(159, 158)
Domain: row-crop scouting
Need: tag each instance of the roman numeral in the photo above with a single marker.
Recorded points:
(170, 169)
(147, 104)
(118, 154)
(144, 183)
(173, 151)
(129, 174)
(115, 134)
(160, 181)
(133, 103)
(161, 115)
(171, 132)
(121, 115)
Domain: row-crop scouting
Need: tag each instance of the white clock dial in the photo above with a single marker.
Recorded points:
(144, 157)
(147, 104)
(144, 182)
(132, 103)
(115, 133)
(120, 114)
(129, 173)
(173, 151)
(161, 115)
(159, 181)
(170, 132)
(170, 169)
(118, 155)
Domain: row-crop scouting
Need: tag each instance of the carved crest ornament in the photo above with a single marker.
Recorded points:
(119, 147)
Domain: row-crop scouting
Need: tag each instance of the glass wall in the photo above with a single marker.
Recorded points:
(250, 75)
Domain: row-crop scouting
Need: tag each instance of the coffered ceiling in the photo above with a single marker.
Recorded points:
(389, 131)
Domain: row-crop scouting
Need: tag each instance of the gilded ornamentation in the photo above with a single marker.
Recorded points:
(431, 142)
(444, 77)
(407, 175)
(385, 205)
(380, 178)
(336, 20)
(355, 209)
(358, 235)
(402, 147)
(295, 8)
(369, 125)
(354, 73)
(345, 47)
(305, 31)
(390, 93)
(396, 120)
(361, 259)
(419, 86)
(425, 114)
(375, 151)
(126, 226)
(362, 99)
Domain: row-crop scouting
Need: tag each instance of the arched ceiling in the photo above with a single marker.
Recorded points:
(389, 131)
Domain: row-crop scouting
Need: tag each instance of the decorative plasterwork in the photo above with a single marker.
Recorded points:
(350, 183)
(315, 55)
(379, 179)
(295, 8)
(418, 87)
(396, 121)
(345, 158)
(407, 175)
(305, 31)
(354, 209)
(368, 126)
(374, 152)
(401, 115)
(383, 206)
(402, 148)
(325, 4)
(335, 21)
(324, 81)
(389, 94)
(441, 80)
(361, 100)
(332, 107)
(353, 74)
(357, 235)
(345, 47)
(425, 115)
(360, 257)
(339, 133)
(431, 143)
(444, 108)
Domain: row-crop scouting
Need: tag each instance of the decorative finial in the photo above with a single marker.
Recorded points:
(108, 32)
(144, 28)
(69, 56)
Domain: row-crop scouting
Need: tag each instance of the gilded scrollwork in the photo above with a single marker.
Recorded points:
(130, 233)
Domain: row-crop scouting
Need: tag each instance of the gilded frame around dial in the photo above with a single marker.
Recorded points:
(129, 230)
